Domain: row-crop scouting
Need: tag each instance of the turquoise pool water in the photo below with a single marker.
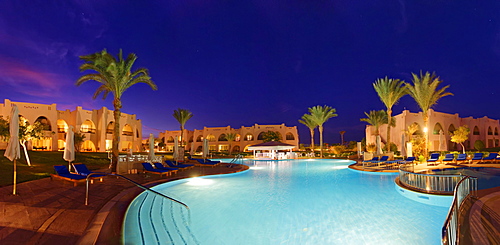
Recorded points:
(284, 202)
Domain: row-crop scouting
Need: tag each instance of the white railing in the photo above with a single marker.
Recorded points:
(450, 234)
(429, 183)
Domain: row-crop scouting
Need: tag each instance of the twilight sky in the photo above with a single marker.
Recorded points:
(257, 61)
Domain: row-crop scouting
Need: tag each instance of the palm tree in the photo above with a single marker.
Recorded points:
(389, 91)
(425, 92)
(342, 137)
(319, 115)
(115, 76)
(182, 116)
(376, 119)
(230, 138)
(307, 120)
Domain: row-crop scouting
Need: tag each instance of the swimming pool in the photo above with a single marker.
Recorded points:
(284, 202)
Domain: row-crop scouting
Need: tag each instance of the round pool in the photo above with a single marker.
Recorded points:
(284, 202)
(486, 177)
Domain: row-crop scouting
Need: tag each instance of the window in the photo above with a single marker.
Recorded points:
(476, 131)
(248, 137)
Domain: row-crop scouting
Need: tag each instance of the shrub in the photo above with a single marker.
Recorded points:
(479, 145)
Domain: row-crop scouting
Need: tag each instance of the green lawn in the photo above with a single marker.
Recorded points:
(42, 162)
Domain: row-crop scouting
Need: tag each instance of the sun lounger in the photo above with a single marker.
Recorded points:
(409, 160)
(161, 167)
(202, 162)
(433, 159)
(82, 169)
(63, 173)
(383, 159)
(448, 158)
(478, 157)
(461, 158)
(492, 157)
(371, 160)
(149, 169)
(178, 165)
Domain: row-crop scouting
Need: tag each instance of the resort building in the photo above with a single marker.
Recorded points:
(441, 125)
(96, 126)
(245, 137)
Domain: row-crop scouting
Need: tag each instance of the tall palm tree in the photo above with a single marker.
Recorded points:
(230, 138)
(307, 120)
(182, 116)
(376, 119)
(342, 137)
(319, 115)
(115, 77)
(425, 92)
(390, 92)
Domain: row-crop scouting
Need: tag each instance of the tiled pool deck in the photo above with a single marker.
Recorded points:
(54, 212)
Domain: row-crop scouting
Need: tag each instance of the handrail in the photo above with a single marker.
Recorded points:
(236, 158)
(133, 182)
(429, 183)
(450, 233)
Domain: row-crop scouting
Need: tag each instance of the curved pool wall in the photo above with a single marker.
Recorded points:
(284, 202)
(437, 200)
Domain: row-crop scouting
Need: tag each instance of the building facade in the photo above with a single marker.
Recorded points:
(440, 128)
(245, 136)
(95, 125)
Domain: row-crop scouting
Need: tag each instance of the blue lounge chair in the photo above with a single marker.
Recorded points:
(161, 167)
(461, 158)
(409, 160)
(433, 159)
(371, 160)
(476, 158)
(82, 169)
(149, 169)
(178, 165)
(448, 158)
(491, 157)
(62, 172)
(383, 159)
(202, 162)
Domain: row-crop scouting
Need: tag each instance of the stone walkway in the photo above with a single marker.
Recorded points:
(49, 211)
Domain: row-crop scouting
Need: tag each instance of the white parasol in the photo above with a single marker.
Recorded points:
(13, 151)
(69, 149)
(379, 145)
(151, 147)
(191, 151)
(403, 142)
(205, 148)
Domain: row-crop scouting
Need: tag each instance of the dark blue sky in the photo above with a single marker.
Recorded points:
(244, 62)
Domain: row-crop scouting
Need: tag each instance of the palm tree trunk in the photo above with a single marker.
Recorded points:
(312, 140)
(426, 135)
(389, 112)
(320, 128)
(116, 137)
(182, 135)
